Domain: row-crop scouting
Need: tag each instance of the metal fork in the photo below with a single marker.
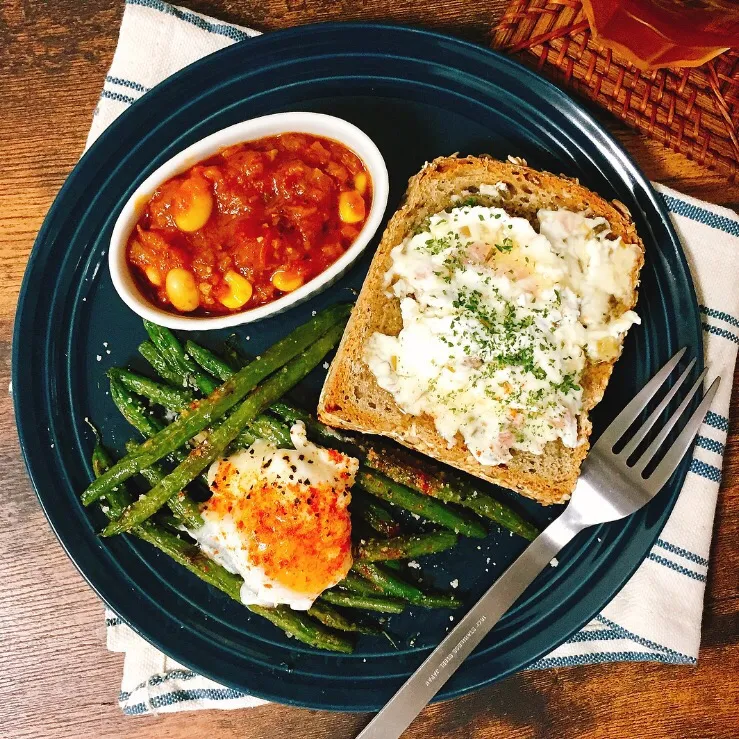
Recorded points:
(611, 486)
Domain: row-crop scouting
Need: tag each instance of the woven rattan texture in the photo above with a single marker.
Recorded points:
(693, 111)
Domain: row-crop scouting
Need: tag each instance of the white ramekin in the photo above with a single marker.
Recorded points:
(298, 122)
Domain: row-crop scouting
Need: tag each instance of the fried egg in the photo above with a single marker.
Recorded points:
(499, 323)
(280, 519)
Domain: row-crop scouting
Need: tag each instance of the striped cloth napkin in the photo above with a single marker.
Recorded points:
(657, 615)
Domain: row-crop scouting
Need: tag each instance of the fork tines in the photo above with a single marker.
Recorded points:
(631, 412)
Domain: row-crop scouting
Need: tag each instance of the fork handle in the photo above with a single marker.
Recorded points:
(444, 661)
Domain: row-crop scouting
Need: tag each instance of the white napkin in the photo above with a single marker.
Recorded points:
(657, 615)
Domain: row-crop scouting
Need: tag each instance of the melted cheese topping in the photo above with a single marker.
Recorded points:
(499, 321)
(280, 519)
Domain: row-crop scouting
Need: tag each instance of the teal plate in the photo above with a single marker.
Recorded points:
(418, 95)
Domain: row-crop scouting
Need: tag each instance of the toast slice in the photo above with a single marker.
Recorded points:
(351, 397)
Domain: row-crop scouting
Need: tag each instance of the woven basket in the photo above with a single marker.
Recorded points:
(693, 111)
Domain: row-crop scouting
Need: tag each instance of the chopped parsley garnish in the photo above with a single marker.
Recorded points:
(436, 246)
(492, 345)
(422, 227)
(568, 385)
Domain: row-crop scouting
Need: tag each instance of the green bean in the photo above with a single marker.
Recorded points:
(425, 477)
(173, 399)
(115, 500)
(319, 431)
(305, 629)
(358, 584)
(408, 546)
(392, 564)
(376, 581)
(209, 361)
(190, 556)
(207, 411)
(233, 353)
(146, 424)
(379, 486)
(169, 522)
(270, 429)
(169, 398)
(185, 510)
(267, 428)
(177, 360)
(329, 616)
(365, 602)
(321, 611)
(264, 427)
(374, 515)
(293, 623)
(100, 459)
(447, 486)
(151, 354)
(394, 586)
(133, 411)
(219, 438)
(423, 506)
(244, 440)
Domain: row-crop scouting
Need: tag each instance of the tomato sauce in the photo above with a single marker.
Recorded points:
(250, 224)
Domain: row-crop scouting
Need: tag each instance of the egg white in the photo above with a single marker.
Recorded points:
(221, 538)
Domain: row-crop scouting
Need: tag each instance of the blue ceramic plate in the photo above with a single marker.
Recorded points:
(419, 95)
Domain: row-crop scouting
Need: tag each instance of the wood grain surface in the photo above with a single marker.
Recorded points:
(56, 678)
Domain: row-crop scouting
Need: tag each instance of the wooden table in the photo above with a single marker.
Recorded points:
(56, 678)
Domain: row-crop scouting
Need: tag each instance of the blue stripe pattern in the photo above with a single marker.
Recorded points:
(542, 664)
(701, 215)
(715, 421)
(126, 83)
(127, 99)
(710, 444)
(708, 471)
(601, 635)
(182, 696)
(625, 634)
(601, 657)
(178, 696)
(678, 568)
(692, 556)
(220, 29)
(718, 314)
(722, 332)
(135, 710)
(182, 674)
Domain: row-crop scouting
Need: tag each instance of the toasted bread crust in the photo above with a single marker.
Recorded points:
(351, 397)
